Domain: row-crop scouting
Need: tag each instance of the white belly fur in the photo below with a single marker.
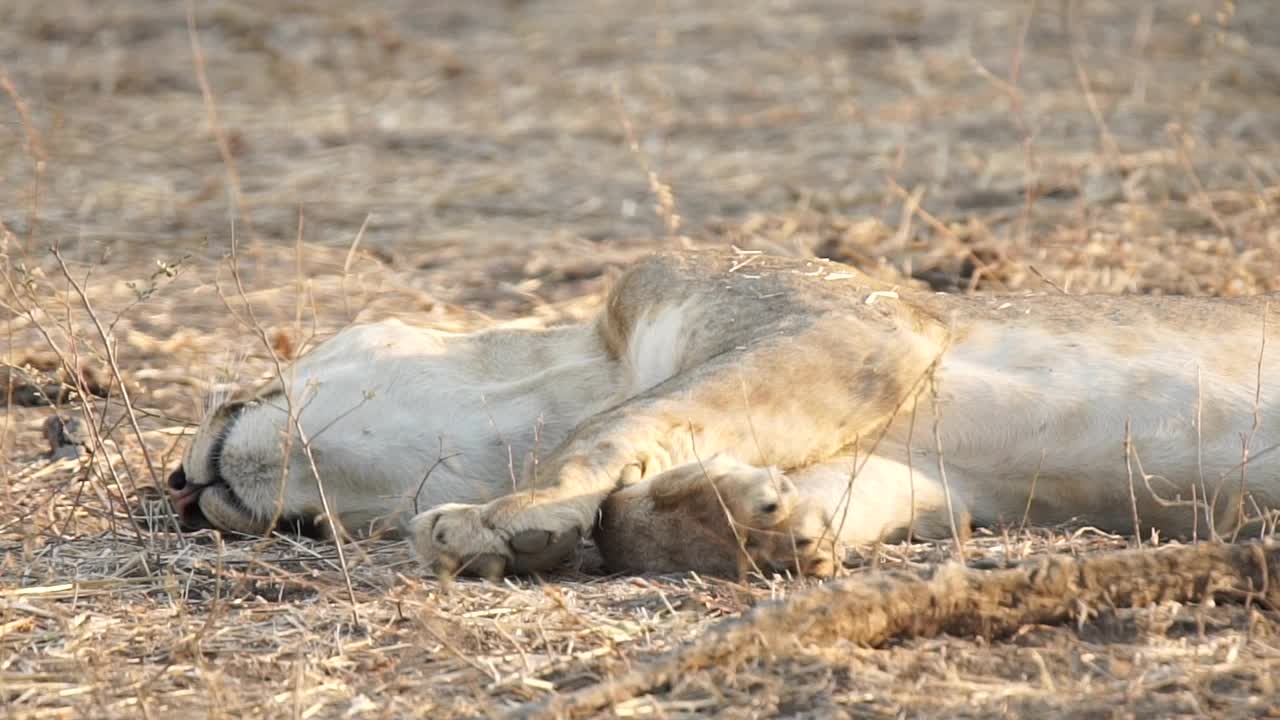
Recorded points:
(1018, 404)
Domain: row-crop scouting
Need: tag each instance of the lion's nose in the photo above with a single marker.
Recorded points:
(186, 501)
(178, 480)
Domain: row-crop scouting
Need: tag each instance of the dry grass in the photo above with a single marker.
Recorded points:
(498, 161)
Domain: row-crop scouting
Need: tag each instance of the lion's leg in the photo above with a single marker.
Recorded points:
(538, 526)
(882, 498)
(756, 403)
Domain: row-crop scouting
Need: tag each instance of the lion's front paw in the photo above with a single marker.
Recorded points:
(458, 539)
(454, 539)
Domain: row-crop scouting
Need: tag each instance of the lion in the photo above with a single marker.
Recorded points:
(728, 411)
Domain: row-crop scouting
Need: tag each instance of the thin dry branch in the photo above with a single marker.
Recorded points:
(1110, 148)
(109, 346)
(957, 540)
(234, 187)
(1133, 498)
(664, 198)
(220, 138)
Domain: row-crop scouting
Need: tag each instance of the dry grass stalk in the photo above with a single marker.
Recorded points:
(870, 610)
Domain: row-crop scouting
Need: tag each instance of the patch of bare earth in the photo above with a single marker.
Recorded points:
(459, 164)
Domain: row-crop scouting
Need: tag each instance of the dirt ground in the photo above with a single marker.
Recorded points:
(457, 164)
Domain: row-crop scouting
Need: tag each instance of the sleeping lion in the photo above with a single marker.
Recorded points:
(730, 412)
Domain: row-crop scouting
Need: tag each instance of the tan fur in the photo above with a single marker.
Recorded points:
(726, 412)
(719, 517)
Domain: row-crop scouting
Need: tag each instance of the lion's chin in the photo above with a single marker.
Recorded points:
(222, 510)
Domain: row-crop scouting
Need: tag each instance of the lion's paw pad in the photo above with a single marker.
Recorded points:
(541, 550)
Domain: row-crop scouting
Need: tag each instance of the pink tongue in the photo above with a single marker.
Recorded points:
(185, 502)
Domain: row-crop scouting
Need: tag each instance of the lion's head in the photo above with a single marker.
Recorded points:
(259, 459)
(232, 476)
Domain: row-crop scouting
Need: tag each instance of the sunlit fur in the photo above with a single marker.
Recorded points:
(729, 405)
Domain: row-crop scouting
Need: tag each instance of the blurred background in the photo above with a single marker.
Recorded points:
(512, 126)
